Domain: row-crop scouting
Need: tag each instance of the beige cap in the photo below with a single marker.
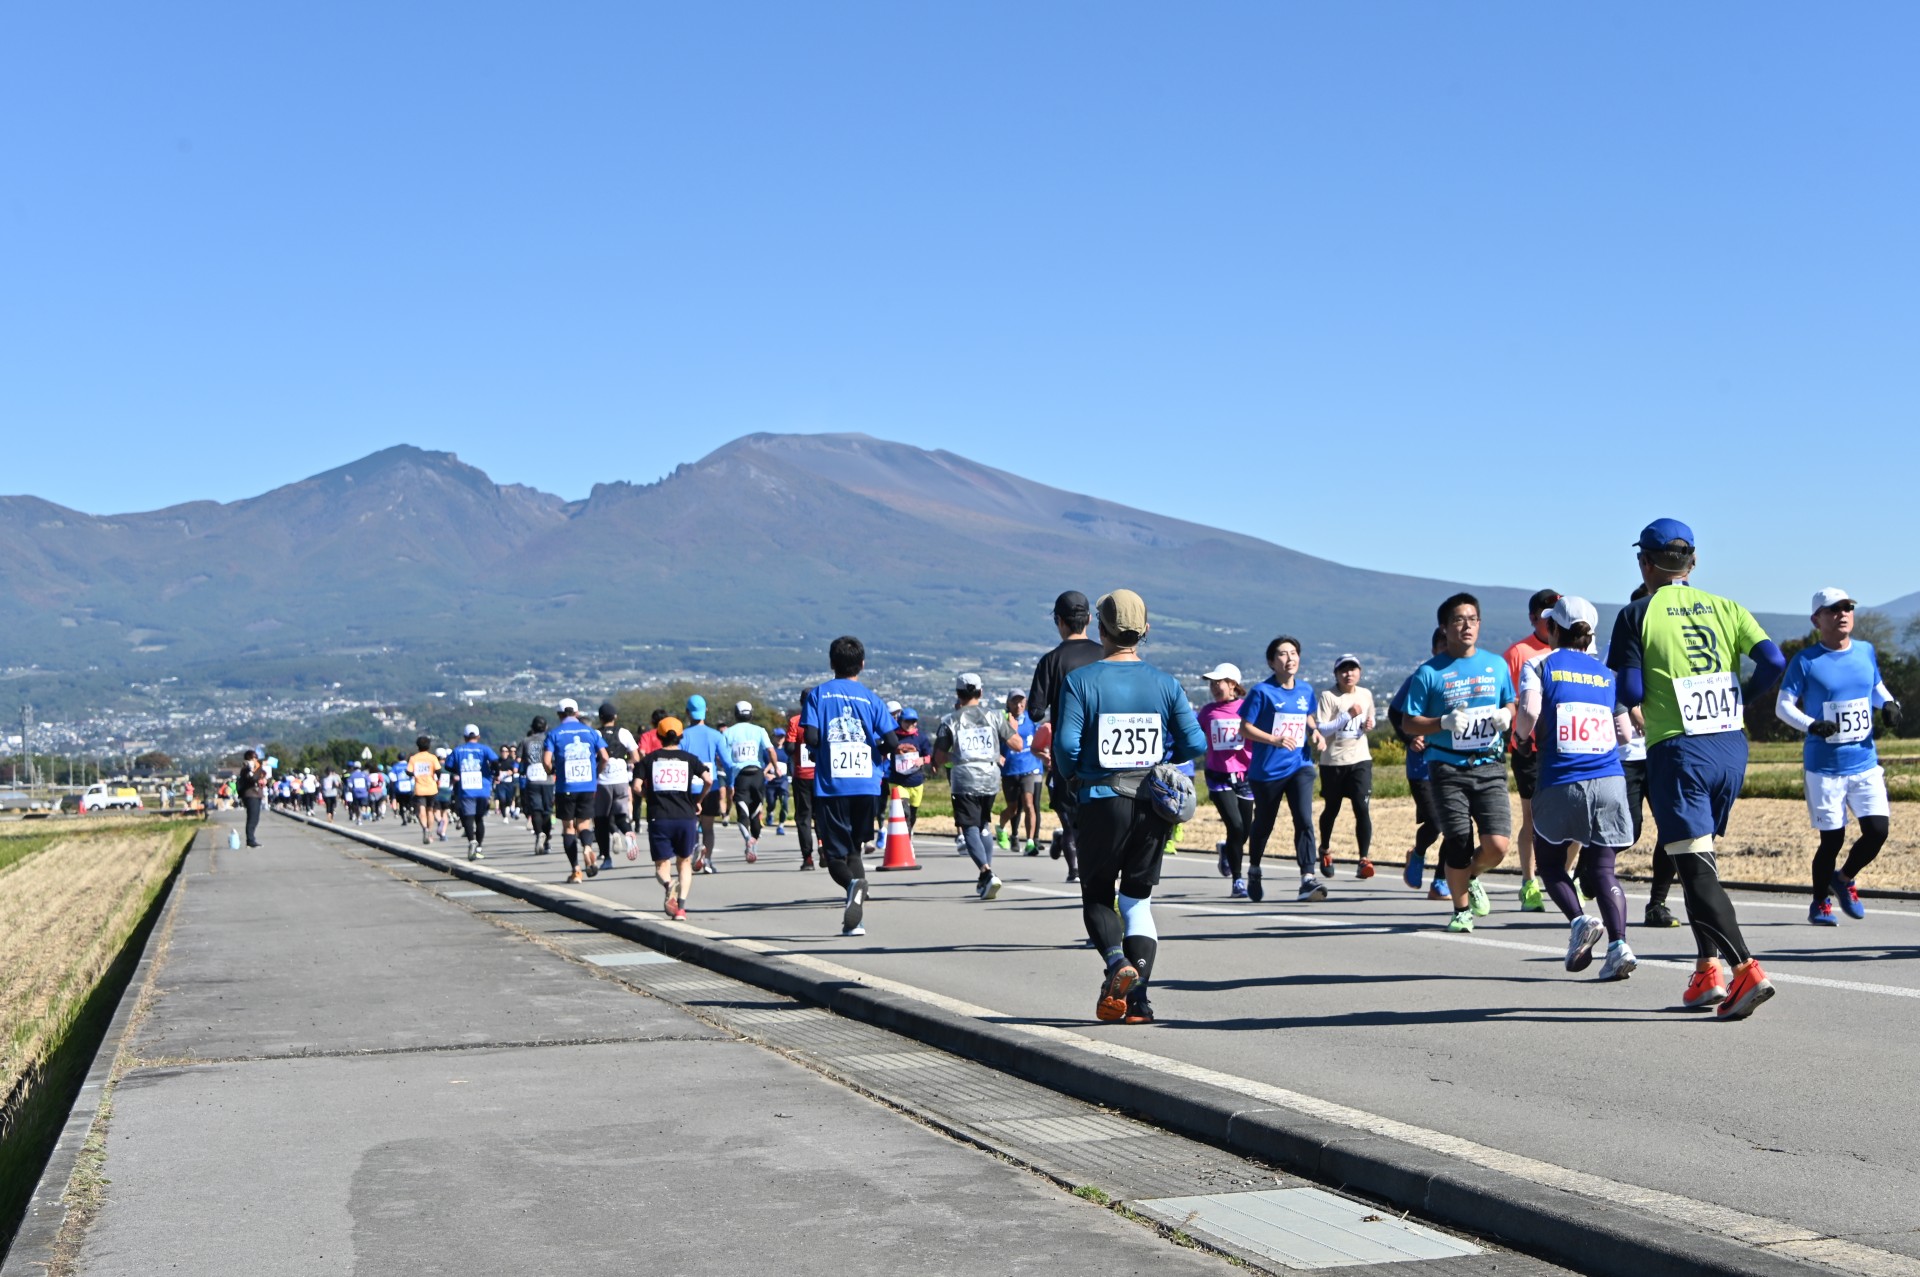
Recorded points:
(1123, 614)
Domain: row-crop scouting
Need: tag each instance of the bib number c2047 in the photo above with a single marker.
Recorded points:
(1581, 727)
(1709, 703)
(1130, 742)
(1855, 718)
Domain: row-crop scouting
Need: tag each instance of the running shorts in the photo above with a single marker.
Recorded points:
(673, 839)
(1347, 780)
(1526, 770)
(470, 807)
(845, 824)
(608, 799)
(1017, 788)
(710, 801)
(1121, 841)
(973, 811)
(1466, 798)
(1692, 782)
(1830, 798)
(574, 807)
(1591, 812)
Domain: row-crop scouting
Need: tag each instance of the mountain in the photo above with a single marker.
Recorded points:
(1902, 609)
(411, 571)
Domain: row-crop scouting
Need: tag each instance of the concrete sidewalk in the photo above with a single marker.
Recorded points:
(340, 1073)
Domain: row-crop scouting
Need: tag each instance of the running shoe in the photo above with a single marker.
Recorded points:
(1073, 875)
(1438, 891)
(856, 900)
(1111, 1006)
(1239, 891)
(424, 839)
(679, 912)
(469, 851)
(855, 930)
(672, 904)
(576, 876)
(993, 889)
(779, 831)
(1477, 898)
(1053, 847)
(606, 862)
(980, 884)
(1033, 847)
(1139, 1010)
(1820, 913)
(1849, 898)
(1416, 871)
(1255, 892)
(752, 855)
(1581, 937)
(1620, 962)
(1462, 922)
(1749, 989)
(1532, 899)
(1365, 870)
(1705, 989)
(1326, 863)
(478, 853)
(633, 846)
(1311, 890)
(1226, 868)
(592, 867)
(1658, 915)
(1003, 840)
(806, 862)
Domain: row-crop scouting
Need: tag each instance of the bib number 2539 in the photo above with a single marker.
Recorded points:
(1129, 742)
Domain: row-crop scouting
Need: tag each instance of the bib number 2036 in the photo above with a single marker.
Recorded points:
(1709, 703)
(1129, 742)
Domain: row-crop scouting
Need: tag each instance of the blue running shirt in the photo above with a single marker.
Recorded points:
(1478, 682)
(851, 722)
(1285, 712)
(576, 756)
(1836, 686)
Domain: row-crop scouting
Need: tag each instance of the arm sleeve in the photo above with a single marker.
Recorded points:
(1791, 714)
(1532, 699)
(1881, 695)
(1623, 727)
(1633, 686)
(1769, 664)
(1040, 693)
(1066, 735)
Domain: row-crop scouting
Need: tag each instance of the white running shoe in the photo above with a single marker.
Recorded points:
(1582, 936)
(992, 889)
(1620, 962)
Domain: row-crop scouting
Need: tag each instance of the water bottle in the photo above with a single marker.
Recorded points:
(233, 840)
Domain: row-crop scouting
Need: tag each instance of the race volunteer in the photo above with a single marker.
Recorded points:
(1119, 718)
(1677, 653)
(1830, 692)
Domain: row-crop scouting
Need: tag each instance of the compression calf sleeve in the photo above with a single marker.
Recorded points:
(1136, 916)
(1550, 858)
(1715, 928)
(1825, 858)
(1598, 880)
(570, 843)
(979, 847)
(1141, 952)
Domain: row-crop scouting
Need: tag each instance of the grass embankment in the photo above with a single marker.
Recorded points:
(70, 899)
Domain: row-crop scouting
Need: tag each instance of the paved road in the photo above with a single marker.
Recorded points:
(1802, 1113)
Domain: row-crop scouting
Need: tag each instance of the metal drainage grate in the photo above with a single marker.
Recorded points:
(1305, 1228)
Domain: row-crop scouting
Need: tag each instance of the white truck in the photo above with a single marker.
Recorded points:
(104, 797)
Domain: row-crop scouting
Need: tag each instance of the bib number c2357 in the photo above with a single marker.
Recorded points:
(1130, 742)
(1709, 703)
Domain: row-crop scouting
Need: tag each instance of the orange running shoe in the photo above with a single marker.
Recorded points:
(1112, 1005)
(1366, 868)
(1705, 989)
(576, 876)
(1749, 989)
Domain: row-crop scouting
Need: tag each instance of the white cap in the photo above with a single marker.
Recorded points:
(442, 752)
(569, 706)
(968, 682)
(743, 707)
(1570, 609)
(893, 707)
(1829, 596)
(1346, 658)
(1225, 669)
(471, 731)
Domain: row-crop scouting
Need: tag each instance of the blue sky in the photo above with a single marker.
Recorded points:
(1467, 290)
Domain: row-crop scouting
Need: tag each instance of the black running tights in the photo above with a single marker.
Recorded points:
(1873, 836)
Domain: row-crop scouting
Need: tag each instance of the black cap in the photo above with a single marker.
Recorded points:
(1541, 601)
(607, 712)
(1072, 606)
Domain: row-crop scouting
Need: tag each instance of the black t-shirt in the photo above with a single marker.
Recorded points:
(666, 776)
(1050, 677)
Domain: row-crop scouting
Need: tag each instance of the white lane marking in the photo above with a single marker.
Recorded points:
(1434, 933)
(1747, 899)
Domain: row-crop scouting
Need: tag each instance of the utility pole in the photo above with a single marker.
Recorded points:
(26, 744)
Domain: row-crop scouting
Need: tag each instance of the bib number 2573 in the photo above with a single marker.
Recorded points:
(1129, 742)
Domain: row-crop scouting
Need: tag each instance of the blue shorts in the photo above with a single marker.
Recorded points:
(473, 806)
(673, 839)
(1692, 782)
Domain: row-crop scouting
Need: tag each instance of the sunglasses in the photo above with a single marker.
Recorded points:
(1845, 605)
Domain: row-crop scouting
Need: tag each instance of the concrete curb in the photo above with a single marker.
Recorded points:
(1593, 1237)
(31, 1253)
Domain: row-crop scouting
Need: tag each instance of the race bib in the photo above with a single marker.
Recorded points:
(850, 758)
(1709, 703)
(1581, 727)
(470, 778)
(1131, 742)
(423, 770)
(1291, 729)
(974, 739)
(671, 775)
(537, 773)
(1855, 719)
(1223, 735)
(1481, 732)
(577, 765)
(746, 753)
(806, 756)
(907, 760)
(617, 773)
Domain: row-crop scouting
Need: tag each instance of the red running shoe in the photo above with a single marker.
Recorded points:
(1705, 989)
(1749, 989)
(1112, 1005)
(1365, 870)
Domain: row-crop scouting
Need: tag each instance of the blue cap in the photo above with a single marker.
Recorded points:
(909, 715)
(696, 707)
(1657, 535)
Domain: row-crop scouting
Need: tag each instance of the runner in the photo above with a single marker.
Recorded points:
(1461, 701)
(1830, 692)
(330, 792)
(1346, 762)
(1419, 783)
(1526, 762)
(613, 799)
(442, 799)
(1071, 616)
(750, 752)
(800, 764)
(537, 783)
(506, 784)
(357, 794)
(1677, 653)
(404, 797)
(710, 747)
(667, 775)
(1120, 718)
(574, 755)
(844, 724)
(472, 765)
(424, 770)
(650, 739)
(1227, 759)
(972, 739)
(907, 766)
(1633, 761)
(376, 792)
(1274, 718)
(1020, 781)
(780, 785)
(1581, 791)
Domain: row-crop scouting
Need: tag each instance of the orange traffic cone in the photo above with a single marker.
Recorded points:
(899, 841)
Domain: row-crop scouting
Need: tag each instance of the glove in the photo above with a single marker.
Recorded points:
(1890, 713)
(1822, 728)
(1503, 717)
(1456, 720)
